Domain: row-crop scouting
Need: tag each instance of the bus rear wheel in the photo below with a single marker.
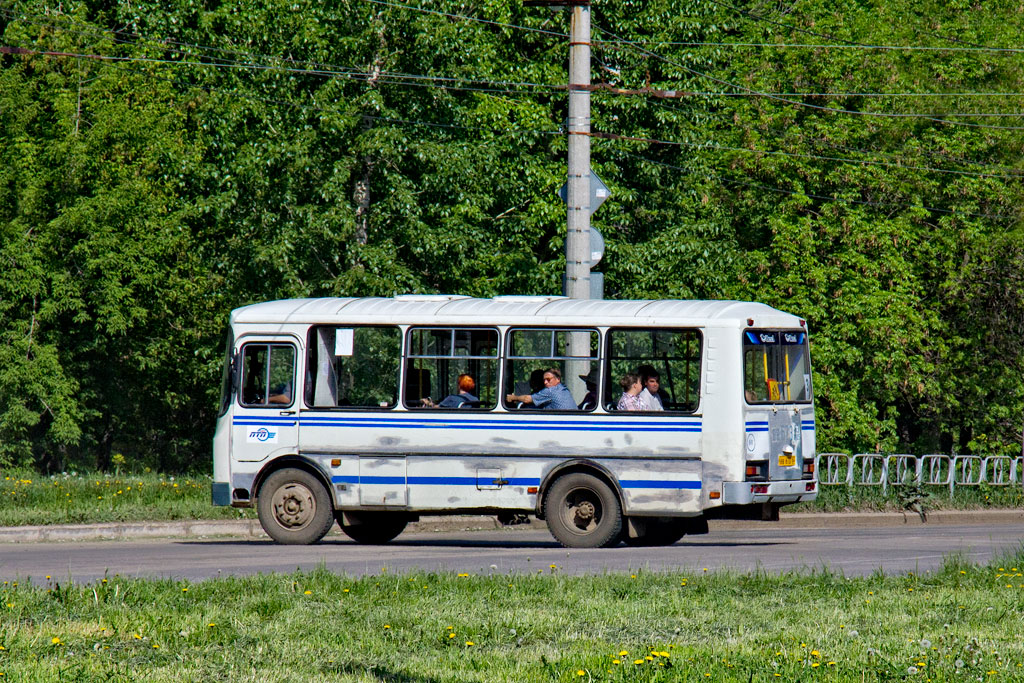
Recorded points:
(373, 528)
(583, 512)
(294, 507)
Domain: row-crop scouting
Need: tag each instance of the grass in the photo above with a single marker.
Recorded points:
(959, 623)
(74, 498)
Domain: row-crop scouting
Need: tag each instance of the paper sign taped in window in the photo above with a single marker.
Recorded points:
(344, 342)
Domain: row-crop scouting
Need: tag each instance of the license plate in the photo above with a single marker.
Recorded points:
(787, 460)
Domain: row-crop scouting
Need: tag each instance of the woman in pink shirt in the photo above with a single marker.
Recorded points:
(631, 387)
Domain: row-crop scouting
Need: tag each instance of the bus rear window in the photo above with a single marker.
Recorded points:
(776, 368)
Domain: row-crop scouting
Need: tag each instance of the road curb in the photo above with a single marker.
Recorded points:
(250, 528)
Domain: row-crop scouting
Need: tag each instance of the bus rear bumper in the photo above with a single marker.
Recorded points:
(747, 492)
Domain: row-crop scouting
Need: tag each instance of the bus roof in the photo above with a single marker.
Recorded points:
(444, 309)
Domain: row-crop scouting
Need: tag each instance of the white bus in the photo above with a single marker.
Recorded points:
(349, 410)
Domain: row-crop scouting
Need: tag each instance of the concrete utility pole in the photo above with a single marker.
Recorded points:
(577, 242)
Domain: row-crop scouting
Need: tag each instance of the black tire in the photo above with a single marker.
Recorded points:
(294, 507)
(659, 532)
(374, 528)
(583, 512)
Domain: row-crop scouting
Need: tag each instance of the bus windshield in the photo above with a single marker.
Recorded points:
(776, 367)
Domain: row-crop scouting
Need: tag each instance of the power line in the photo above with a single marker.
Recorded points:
(797, 103)
(319, 69)
(392, 78)
(783, 134)
(467, 18)
(334, 70)
(817, 46)
(764, 19)
(863, 162)
(842, 200)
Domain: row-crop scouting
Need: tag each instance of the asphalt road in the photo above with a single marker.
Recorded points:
(852, 552)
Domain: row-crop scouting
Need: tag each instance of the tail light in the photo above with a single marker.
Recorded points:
(759, 488)
(809, 469)
(757, 470)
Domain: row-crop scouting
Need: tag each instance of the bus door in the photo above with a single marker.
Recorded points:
(265, 422)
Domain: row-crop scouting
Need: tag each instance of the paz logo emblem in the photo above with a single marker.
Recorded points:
(262, 435)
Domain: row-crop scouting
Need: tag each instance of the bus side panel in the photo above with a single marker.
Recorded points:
(655, 487)
(450, 483)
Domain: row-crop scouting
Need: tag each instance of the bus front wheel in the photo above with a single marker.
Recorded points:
(294, 507)
(583, 512)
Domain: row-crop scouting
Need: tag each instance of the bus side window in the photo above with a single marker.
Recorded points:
(353, 367)
(439, 358)
(573, 352)
(268, 374)
(670, 355)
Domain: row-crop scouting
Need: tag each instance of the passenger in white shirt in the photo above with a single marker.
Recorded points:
(649, 398)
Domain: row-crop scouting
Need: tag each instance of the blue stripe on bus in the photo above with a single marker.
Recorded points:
(306, 419)
(658, 484)
(559, 425)
(510, 481)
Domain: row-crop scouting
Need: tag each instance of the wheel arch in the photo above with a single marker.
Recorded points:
(582, 465)
(295, 462)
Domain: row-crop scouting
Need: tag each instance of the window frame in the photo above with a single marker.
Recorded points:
(310, 364)
(611, 382)
(408, 357)
(507, 358)
(805, 345)
(270, 345)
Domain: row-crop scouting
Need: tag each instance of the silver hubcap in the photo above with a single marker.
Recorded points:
(294, 506)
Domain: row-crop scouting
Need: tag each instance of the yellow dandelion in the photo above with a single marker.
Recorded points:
(211, 625)
(815, 664)
(581, 672)
(136, 636)
(470, 643)
(387, 625)
(814, 653)
(308, 593)
(638, 661)
(451, 635)
(55, 640)
(616, 661)
(623, 653)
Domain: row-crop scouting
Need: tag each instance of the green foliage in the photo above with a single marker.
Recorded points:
(221, 154)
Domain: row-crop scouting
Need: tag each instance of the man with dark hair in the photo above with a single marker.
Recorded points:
(554, 395)
(650, 398)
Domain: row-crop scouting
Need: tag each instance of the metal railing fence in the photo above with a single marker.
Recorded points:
(934, 469)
